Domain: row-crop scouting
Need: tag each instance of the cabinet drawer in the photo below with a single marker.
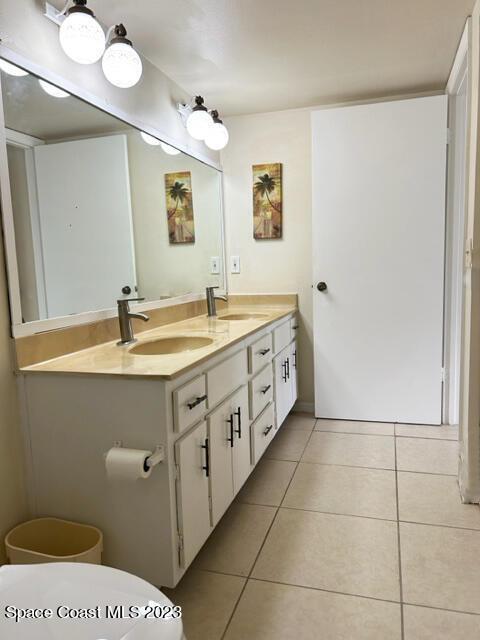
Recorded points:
(262, 432)
(282, 336)
(227, 376)
(261, 391)
(259, 353)
(189, 403)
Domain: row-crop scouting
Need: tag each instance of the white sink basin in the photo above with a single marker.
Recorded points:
(242, 316)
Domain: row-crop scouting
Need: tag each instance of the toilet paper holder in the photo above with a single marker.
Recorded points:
(157, 456)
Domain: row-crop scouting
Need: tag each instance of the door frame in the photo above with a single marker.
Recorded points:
(455, 236)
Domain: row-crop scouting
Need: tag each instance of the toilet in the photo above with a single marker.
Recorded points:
(79, 601)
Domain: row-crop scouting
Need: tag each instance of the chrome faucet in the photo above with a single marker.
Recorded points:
(125, 320)
(211, 297)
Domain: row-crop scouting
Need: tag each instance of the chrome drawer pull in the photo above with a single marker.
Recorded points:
(196, 402)
(267, 430)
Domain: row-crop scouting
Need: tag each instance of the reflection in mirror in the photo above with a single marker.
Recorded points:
(101, 210)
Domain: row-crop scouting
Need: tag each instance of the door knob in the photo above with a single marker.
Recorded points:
(322, 286)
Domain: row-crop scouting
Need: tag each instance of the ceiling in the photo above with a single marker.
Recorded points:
(248, 56)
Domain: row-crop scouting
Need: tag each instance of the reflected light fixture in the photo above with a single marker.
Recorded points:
(169, 150)
(52, 90)
(121, 64)
(149, 139)
(199, 120)
(217, 134)
(12, 69)
(81, 36)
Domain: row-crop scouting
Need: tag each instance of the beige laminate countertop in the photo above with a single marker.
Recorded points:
(111, 360)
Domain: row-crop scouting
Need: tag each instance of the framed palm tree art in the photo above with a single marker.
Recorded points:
(178, 192)
(267, 201)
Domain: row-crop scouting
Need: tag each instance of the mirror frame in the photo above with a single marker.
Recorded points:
(19, 328)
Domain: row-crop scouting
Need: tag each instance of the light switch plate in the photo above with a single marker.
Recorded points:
(214, 265)
(235, 264)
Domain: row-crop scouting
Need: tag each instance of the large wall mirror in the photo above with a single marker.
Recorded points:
(101, 210)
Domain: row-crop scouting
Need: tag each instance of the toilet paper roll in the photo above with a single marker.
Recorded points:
(127, 464)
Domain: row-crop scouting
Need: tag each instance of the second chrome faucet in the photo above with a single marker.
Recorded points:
(211, 297)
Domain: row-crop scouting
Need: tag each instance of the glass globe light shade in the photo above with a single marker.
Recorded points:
(217, 136)
(149, 139)
(82, 38)
(122, 65)
(52, 90)
(171, 151)
(198, 124)
(12, 69)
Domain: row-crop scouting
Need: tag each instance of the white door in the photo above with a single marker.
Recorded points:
(241, 449)
(85, 223)
(378, 244)
(221, 436)
(193, 511)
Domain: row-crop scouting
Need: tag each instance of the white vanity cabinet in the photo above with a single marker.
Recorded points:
(229, 451)
(285, 372)
(214, 421)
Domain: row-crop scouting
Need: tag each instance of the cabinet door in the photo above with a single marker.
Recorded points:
(241, 460)
(221, 424)
(293, 372)
(283, 388)
(193, 513)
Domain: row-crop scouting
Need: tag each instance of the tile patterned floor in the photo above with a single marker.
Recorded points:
(344, 530)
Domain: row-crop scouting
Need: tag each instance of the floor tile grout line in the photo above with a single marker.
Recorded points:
(341, 593)
(353, 466)
(263, 543)
(402, 617)
(356, 515)
(382, 435)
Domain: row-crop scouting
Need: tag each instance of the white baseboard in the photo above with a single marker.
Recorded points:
(304, 407)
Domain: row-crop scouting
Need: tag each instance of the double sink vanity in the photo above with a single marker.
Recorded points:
(195, 400)
(212, 392)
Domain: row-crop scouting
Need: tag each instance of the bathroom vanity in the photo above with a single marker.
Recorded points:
(214, 409)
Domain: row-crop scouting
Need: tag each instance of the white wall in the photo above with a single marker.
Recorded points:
(164, 269)
(277, 266)
(13, 507)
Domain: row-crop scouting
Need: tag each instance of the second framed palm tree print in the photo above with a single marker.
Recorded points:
(267, 201)
(178, 191)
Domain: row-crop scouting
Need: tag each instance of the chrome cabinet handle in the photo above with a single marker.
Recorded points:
(196, 402)
(230, 422)
(284, 374)
(238, 413)
(206, 467)
(265, 389)
(267, 430)
(288, 369)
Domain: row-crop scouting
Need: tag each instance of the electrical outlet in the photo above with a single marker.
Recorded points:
(235, 264)
(214, 265)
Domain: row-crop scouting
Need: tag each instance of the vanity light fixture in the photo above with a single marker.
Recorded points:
(52, 90)
(12, 69)
(217, 134)
(199, 120)
(169, 150)
(146, 137)
(81, 36)
(121, 64)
